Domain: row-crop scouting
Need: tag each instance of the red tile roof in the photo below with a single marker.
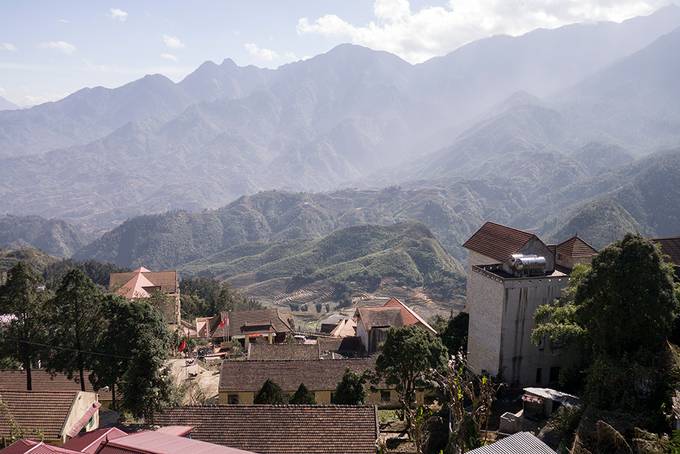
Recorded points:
(393, 313)
(89, 442)
(282, 429)
(154, 442)
(132, 284)
(269, 352)
(243, 322)
(498, 241)
(36, 412)
(317, 375)
(575, 247)
(670, 247)
(15, 380)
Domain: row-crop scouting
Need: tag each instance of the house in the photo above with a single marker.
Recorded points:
(272, 352)
(373, 323)
(241, 380)
(26, 446)
(510, 273)
(89, 442)
(519, 443)
(671, 249)
(282, 429)
(142, 283)
(48, 415)
(162, 442)
(15, 380)
(262, 325)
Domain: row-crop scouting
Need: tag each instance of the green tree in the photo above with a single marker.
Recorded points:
(23, 297)
(270, 393)
(303, 396)
(146, 385)
(77, 321)
(118, 339)
(621, 311)
(455, 334)
(351, 390)
(408, 355)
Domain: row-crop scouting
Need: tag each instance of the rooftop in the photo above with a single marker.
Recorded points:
(269, 352)
(498, 241)
(519, 443)
(35, 447)
(15, 380)
(282, 429)
(89, 442)
(393, 313)
(155, 442)
(242, 322)
(139, 283)
(671, 248)
(317, 375)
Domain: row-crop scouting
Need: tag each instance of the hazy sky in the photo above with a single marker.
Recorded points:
(49, 49)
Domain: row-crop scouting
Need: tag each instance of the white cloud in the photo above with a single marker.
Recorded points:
(118, 14)
(2, 91)
(8, 47)
(436, 30)
(261, 53)
(167, 56)
(173, 42)
(63, 21)
(61, 46)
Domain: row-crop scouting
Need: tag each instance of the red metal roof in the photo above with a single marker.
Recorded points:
(89, 442)
(35, 447)
(498, 241)
(154, 442)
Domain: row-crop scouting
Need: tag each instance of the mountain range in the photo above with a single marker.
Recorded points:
(6, 104)
(342, 118)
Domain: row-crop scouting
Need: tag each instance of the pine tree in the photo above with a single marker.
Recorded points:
(303, 396)
(24, 297)
(270, 393)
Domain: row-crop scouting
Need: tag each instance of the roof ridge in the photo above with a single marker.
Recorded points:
(509, 227)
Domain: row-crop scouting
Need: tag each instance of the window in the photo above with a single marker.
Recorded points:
(232, 399)
(539, 375)
(385, 396)
(554, 374)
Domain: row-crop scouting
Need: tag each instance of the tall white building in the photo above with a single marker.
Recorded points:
(510, 273)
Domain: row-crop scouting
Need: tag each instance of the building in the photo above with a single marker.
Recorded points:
(15, 380)
(373, 323)
(162, 442)
(282, 429)
(519, 443)
(142, 283)
(48, 415)
(272, 352)
(241, 380)
(89, 442)
(510, 273)
(26, 446)
(262, 325)
(670, 247)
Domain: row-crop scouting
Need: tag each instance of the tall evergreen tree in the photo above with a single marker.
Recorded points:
(303, 396)
(77, 322)
(270, 393)
(146, 384)
(23, 297)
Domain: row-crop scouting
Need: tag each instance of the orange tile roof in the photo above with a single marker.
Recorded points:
(498, 241)
(575, 247)
(134, 281)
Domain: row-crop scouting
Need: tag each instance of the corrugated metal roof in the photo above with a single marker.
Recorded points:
(519, 443)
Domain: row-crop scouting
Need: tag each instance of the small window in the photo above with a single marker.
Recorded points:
(539, 375)
(232, 399)
(554, 374)
(385, 396)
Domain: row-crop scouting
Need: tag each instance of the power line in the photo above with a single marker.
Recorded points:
(55, 347)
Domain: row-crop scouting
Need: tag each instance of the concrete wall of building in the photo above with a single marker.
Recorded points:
(520, 359)
(244, 398)
(485, 296)
(81, 404)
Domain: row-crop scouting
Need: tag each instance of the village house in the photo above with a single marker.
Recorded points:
(52, 416)
(670, 247)
(262, 325)
(241, 380)
(281, 429)
(142, 283)
(15, 380)
(373, 323)
(510, 273)
(519, 443)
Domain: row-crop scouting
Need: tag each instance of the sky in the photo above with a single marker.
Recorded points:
(50, 49)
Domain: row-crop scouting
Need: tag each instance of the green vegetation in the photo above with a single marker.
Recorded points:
(270, 393)
(303, 396)
(55, 237)
(205, 296)
(453, 332)
(407, 356)
(620, 313)
(355, 258)
(351, 389)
